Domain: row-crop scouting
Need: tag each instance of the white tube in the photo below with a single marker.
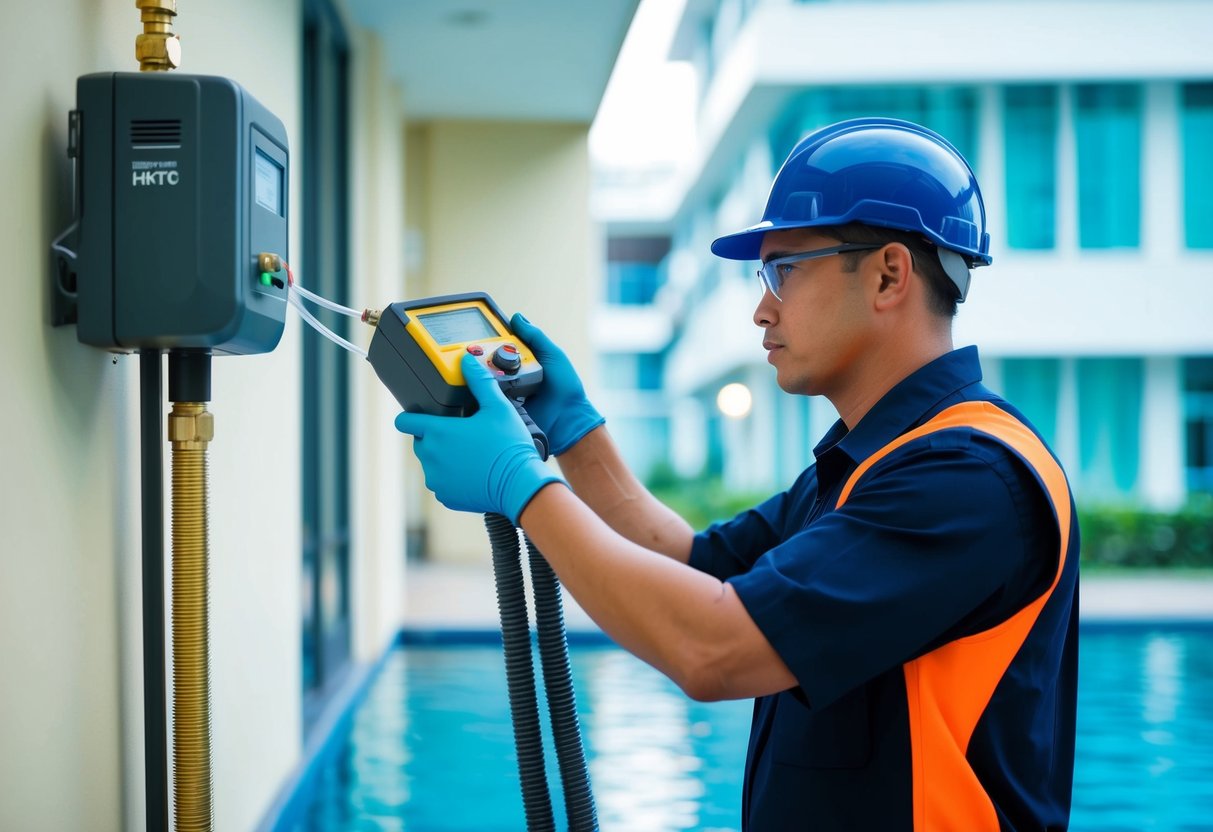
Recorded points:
(311, 320)
(326, 303)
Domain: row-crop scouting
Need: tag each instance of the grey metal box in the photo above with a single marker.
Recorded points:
(181, 181)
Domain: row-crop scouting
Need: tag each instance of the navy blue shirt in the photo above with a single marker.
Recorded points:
(946, 537)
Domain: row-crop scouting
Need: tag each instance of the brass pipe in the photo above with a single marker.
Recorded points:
(157, 49)
(190, 429)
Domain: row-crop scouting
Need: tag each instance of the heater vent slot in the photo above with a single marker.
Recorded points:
(149, 133)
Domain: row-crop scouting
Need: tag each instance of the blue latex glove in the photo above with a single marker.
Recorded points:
(485, 462)
(560, 407)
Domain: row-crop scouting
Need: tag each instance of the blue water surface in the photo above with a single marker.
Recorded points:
(431, 746)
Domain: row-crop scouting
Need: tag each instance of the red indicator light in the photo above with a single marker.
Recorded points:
(475, 349)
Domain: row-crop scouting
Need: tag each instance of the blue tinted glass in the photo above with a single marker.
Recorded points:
(784, 133)
(1109, 425)
(643, 441)
(714, 463)
(952, 113)
(649, 367)
(618, 371)
(1030, 139)
(1198, 423)
(631, 284)
(1107, 126)
(949, 111)
(1031, 385)
(631, 371)
(1197, 126)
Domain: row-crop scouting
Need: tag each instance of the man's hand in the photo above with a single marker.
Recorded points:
(560, 407)
(486, 462)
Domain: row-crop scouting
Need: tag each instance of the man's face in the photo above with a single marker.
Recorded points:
(814, 335)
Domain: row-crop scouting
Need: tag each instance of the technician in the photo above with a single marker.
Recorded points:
(906, 613)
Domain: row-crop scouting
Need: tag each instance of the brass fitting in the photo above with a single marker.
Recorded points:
(190, 426)
(268, 262)
(371, 316)
(157, 49)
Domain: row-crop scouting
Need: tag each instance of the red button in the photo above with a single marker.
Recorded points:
(475, 349)
(509, 348)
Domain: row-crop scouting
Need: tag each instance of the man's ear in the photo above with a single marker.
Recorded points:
(895, 264)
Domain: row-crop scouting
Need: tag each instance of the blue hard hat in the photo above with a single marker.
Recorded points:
(882, 172)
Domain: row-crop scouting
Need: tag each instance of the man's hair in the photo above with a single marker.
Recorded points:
(942, 294)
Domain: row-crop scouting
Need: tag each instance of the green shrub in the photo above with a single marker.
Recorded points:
(1112, 536)
(700, 501)
(1130, 536)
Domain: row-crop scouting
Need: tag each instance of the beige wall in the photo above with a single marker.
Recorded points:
(377, 279)
(503, 207)
(70, 660)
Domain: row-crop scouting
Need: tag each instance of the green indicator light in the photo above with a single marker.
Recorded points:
(265, 278)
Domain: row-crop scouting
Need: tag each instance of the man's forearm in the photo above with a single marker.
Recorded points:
(686, 623)
(598, 475)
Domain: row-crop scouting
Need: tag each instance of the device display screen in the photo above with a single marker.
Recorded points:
(267, 185)
(458, 326)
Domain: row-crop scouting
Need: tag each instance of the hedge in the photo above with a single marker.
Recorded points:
(1130, 536)
(1113, 536)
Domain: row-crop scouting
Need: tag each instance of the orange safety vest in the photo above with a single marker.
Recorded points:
(949, 688)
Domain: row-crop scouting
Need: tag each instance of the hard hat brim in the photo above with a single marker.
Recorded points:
(743, 245)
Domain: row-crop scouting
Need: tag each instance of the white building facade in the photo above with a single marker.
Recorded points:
(1090, 128)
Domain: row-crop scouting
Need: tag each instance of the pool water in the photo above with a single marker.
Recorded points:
(431, 747)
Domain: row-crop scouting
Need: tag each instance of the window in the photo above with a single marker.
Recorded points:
(793, 440)
(326, 410)
(1198, 423)
(631, 284)
(713, 464)
(1197, 127)
(1030, 133)
(1107, 126)
(949, 111)
(643, 441)
(783, 134)
(1031, 384)
(635, 269)
(632, 371)
(1109, 425)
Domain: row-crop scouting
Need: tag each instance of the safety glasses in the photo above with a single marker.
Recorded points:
(774, 272)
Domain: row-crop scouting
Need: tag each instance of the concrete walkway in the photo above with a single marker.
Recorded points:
(463, 597)
(1151, 597)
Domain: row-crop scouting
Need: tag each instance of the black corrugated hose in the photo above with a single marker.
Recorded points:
(562, 703)
(557, 678)
(520, 672)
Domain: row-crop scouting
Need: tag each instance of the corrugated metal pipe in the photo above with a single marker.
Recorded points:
(190, 429)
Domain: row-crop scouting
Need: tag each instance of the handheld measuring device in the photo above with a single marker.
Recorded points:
(418, 345)
(417, 350)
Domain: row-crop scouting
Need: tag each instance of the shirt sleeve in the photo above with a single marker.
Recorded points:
(944, 538)
(731, 548)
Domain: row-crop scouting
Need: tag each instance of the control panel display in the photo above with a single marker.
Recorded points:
(419, 346)
(458, 326)
(267, 182)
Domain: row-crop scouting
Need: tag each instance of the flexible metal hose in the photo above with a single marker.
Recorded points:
(190, 429)
(520, 672)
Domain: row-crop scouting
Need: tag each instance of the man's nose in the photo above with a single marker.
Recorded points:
(765, 313)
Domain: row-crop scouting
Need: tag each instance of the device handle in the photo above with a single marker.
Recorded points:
(537, 435)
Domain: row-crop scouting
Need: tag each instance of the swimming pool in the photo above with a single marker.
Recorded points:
(430, 748)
